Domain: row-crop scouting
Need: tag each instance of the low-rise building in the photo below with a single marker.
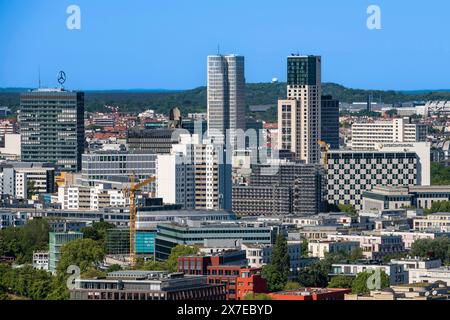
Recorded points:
(189, 232)
(416, 291)
(374, 246)
(409, 237)
(318, 249)
(147, 285)
(437, 222)
(90, 198)
(56, 241)
(430, 275)
(259, 255)
(311, 294)
(397, 274)
(41, 260)
(420, 197)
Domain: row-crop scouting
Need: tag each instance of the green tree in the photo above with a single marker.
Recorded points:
(304, 249)
(97, 231)
(438, 248)
(313, 276)
(179, 251)
(316, 274)
(440, 174)
(84, 253)
(347, 208)
(257, 296)
(399, 255)
(21, 242)
(360, 284)
(92, 273)
(355, 255)
(343, 282)
(114, 268)
(277, 272)
(31, 189)
(25, 282)
(291, 285)
(59, 290)
(155, 266)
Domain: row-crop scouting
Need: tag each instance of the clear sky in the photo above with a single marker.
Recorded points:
(153, 44)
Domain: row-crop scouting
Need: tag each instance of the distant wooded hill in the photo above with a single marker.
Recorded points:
(195, 100)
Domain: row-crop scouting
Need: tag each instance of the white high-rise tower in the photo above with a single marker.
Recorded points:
(226, 95)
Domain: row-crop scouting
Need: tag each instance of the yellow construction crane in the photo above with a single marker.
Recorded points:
(131, 193)
(325, 147)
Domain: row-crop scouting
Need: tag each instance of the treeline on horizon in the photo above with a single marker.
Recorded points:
(194, 100)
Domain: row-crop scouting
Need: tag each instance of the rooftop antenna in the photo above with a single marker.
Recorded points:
(39, 73)
(218, 49)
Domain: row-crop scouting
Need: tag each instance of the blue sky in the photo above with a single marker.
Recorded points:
(164, 43)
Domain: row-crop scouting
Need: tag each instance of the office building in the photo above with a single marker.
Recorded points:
(117, 167)
(118, 241)
(147, 285)
(149, 216)
(16, 178)
(351, 173)
(284, 188)
(188, 232)
(329, 131)
(365, 136)
(158, 140)
(196, 175)
(226, 96)
(52, 127)
(254, 200)
(228, 268)
(10, 146)
(56, 241)
(420, 197)
(299, 119)
(90, 198)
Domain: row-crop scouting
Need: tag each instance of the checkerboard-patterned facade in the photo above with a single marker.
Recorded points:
(350, 174)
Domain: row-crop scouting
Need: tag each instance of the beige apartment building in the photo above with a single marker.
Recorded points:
(299, 115)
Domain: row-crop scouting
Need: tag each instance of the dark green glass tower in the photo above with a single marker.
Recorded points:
(302, 70)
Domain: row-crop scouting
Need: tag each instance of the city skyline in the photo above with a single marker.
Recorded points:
(122, 47)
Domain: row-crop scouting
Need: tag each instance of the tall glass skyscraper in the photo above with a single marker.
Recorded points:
(330, 121)
(226, 95)
(52, 127)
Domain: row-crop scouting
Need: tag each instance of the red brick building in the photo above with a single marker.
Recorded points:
(311, 294)
(239, 280)
(228, 268)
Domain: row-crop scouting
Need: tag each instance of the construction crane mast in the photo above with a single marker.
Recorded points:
(131, 193)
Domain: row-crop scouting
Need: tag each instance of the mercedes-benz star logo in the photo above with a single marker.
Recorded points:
(61, 77)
